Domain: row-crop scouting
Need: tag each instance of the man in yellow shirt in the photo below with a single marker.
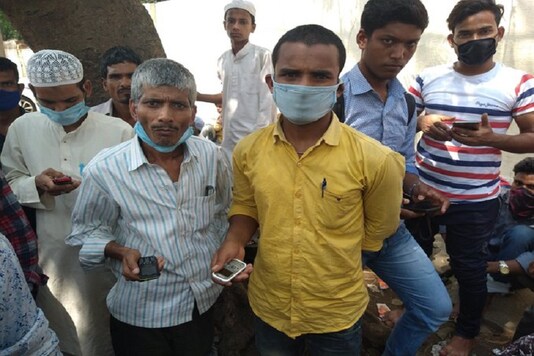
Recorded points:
(317, 189)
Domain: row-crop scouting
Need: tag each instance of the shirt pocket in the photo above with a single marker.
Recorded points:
(337, 212)
(203, 209)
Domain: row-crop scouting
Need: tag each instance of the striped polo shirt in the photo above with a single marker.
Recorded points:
(467, 173)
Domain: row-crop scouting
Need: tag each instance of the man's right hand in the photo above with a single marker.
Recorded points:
(45, 183)
(435, 126)
(230, 249)
(129, 258)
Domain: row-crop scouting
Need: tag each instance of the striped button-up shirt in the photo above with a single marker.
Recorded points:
(126, 199)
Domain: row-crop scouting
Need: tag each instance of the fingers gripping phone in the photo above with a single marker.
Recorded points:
(62, 180)
(148, 268)
(468, 125)
(229, 271)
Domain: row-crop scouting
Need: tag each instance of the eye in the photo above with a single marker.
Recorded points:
(387, 41)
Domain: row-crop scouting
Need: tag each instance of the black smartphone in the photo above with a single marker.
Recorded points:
(467, 125)
(148, 268)
(424, 206)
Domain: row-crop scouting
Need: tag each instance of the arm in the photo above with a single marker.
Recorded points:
(382, 202)
(484, 136)
(94, 219)
(210, 98)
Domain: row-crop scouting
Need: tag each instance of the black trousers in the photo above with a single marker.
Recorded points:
(194, 338)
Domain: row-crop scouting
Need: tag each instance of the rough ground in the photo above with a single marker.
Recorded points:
(234, 327)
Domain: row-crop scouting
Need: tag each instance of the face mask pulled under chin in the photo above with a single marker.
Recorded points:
(477, 52)
(302, 104)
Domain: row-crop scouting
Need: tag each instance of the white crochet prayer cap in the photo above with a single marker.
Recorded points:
(241, 4)
(52, 68)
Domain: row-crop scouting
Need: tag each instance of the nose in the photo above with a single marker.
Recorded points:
(165, 113)
(398, 51)
(125, 81)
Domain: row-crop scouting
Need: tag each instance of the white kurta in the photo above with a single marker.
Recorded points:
(247, 102)
(33, 144)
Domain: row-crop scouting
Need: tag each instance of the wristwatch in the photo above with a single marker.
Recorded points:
(503, 267)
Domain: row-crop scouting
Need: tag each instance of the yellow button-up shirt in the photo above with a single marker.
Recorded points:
(314, 212)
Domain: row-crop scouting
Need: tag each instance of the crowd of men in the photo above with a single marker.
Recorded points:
(324, 186)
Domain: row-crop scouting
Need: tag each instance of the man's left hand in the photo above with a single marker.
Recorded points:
(481, 137)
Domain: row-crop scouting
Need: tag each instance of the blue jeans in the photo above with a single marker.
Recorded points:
(404, 266)
(469, 227)
(271, 342)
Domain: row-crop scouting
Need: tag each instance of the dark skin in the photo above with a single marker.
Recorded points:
(60, 98)
(384, 54)
(298, 64)
(165, 113)
(8, 82)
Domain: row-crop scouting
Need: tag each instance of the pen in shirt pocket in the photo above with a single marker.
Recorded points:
(323, 187)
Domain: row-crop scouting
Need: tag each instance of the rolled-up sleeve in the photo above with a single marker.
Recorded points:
(382, 202)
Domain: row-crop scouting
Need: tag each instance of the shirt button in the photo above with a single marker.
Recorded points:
(64, 159)
(298, 194)
(299, 164)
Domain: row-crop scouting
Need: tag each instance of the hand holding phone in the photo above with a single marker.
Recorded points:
(467, 125)
(148, 268)
(424, 206)
(229, 271)
(62, 180)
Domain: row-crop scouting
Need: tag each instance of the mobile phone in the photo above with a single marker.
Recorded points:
(468, 125)
(424, 206)
(148, 268)
(62, 180)
(229, 271)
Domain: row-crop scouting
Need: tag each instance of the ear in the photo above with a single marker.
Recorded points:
(133, 110)
(269, 82)
(253, 28)
(104, 84)
(450, 38)
(361, 39)
(193, 115)
(21, 87)
(340, 89)
(500, 33)
(87, 88)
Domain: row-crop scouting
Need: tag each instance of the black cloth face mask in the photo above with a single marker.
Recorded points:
(477, 52)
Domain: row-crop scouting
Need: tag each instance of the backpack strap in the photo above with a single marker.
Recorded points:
(410, 102)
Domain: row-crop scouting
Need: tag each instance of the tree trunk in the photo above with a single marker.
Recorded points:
(85, 29)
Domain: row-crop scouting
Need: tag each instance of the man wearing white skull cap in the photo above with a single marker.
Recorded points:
(43, 159)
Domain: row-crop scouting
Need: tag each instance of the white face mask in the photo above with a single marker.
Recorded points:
(302, 104)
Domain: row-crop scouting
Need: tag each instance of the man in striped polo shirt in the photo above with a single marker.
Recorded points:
(463, 163)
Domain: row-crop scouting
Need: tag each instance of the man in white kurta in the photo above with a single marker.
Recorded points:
(38, 149)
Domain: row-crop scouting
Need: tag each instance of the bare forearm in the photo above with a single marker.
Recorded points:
(210, 98)
(242, 227)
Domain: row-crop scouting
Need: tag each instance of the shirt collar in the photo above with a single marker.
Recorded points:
(138, 158)
(331, 136)
(244, 51)
(359, 84)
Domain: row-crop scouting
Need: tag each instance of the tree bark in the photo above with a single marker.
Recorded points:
(85, 29)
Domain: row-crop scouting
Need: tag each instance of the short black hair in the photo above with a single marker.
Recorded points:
(7, 65)
(465, 8)
(311, 35)
(379, 13)
(115, 55)
(526, 166)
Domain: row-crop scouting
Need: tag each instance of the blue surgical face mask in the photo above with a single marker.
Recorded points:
(141, 133)
(302, 104)
(68, 116)
(9, 99)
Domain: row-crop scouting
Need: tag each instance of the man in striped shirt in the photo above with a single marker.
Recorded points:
(463, 164)
(165, 193)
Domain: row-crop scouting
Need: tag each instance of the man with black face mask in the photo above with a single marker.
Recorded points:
(512, 242)
(463, 163)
